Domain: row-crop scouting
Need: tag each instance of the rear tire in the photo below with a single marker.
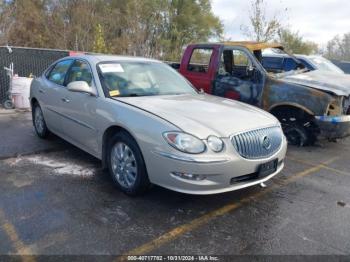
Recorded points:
(126, 164)
(39, 122)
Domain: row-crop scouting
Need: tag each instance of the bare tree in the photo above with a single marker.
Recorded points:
(261, 28)
(339, 48)
(293, 42)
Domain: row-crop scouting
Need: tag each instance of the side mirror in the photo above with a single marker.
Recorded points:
(81, 87)
(250, 70)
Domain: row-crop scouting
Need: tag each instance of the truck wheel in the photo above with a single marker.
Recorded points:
(126, 165)
(299, 130)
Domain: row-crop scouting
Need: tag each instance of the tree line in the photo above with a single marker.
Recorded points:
(151, 28)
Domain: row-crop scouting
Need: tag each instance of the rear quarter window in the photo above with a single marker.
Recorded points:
(200, 60)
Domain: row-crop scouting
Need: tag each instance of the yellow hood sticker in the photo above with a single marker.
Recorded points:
(114, 93)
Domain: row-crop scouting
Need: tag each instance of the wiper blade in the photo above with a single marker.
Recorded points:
(127, 95)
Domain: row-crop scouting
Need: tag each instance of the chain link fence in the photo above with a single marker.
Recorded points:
(33, 61)
(26, 61)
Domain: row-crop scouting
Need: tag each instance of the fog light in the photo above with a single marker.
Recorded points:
(189, 176)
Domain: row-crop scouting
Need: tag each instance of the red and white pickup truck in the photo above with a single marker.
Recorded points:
(309, 104)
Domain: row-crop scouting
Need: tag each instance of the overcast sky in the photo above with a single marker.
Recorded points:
(316, 20)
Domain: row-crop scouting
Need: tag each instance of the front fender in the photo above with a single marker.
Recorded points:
(277, 92)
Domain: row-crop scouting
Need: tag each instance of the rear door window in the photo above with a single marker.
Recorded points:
(59, 71)
(200, 60)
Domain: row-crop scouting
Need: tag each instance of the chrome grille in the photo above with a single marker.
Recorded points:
(260, 143)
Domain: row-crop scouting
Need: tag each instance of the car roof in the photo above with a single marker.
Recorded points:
(251, 45)
(275, 55)
(296, 55)
(97, 58)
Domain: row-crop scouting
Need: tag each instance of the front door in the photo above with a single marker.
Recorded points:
(79, 109)
(238, 77)
(50, 93)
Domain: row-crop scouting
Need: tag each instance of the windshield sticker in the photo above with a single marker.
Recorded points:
(114, 93)
(111, 68)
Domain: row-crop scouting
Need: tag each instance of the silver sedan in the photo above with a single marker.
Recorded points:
(148, 125)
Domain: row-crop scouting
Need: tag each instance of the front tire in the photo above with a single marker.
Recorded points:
(39, 122)
(126, 165)
(298, 128)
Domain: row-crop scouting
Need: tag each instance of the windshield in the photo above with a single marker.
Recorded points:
(325, 65)
(130, 78)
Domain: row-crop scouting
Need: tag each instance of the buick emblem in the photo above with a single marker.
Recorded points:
(266, 142)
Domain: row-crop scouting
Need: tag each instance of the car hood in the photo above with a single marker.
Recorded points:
(204, 115)
(337, 84)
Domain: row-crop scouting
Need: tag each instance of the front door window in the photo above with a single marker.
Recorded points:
(237, 78)
(80, 71)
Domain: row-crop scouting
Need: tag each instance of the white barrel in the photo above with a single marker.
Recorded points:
(20, 91)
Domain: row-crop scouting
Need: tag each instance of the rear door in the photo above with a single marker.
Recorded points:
(50, 94)
(198, 66)
(79, 109)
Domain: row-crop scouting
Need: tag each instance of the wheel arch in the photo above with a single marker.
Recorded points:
(108, 133)
(308, 131)
(294, 106)
(33, 101)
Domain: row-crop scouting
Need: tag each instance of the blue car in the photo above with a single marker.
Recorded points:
(282, 63)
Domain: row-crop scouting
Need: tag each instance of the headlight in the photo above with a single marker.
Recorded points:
(215, 143)
(185, 142)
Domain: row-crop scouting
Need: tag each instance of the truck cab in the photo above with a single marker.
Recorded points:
(308, 104)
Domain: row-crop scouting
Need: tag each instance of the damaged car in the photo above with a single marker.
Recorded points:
(148, 125)
(279, 63)
(309, 104)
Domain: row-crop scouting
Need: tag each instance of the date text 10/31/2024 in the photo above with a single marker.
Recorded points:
(173, 258)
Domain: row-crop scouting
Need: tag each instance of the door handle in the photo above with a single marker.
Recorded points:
(41, 91)
(65, 100)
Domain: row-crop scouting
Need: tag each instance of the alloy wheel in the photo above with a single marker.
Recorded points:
(39, 120)
(124, 166)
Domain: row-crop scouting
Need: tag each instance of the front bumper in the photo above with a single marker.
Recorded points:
(228, 172)
(332, 127)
